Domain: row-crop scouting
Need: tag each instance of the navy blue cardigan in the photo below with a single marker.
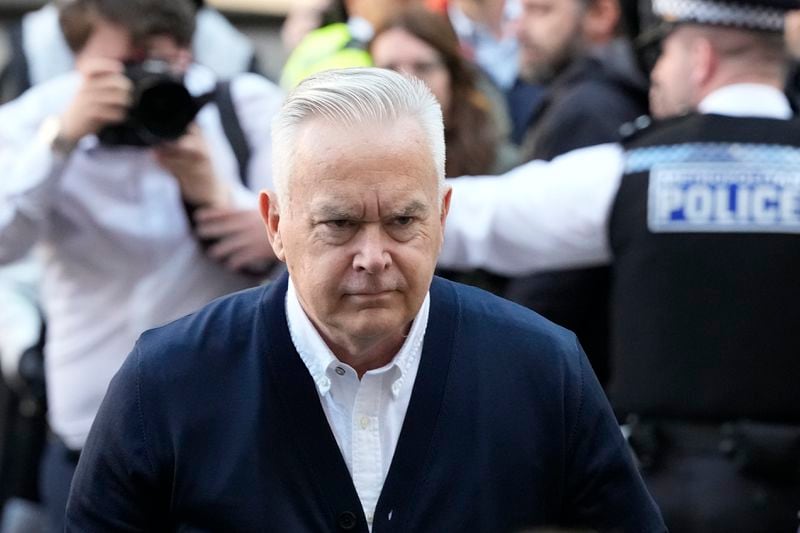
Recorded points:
(214, 424)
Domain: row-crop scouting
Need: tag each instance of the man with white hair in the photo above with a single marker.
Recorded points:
(699, 217)
(358, 393)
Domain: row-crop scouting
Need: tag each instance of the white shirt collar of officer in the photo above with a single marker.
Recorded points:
(747, 100)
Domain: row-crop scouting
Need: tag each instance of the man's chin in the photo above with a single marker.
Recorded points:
(375, 324)
(377, 300)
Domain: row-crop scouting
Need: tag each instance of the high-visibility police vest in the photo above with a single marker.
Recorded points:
(326, 48)
(705, 231)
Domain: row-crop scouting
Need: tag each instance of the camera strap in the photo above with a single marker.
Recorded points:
(233, 128)
(14, 77)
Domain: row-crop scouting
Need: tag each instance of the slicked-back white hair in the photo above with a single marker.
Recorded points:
(353, 97)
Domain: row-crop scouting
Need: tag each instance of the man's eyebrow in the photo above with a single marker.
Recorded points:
(414, 208)
(333, 212)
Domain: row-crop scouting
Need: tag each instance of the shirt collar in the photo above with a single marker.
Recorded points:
(747, 100)
(320, 360)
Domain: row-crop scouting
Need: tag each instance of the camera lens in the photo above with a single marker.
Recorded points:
(165, 109)
(162, 107)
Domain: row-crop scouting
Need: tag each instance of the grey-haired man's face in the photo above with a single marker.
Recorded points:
(361, 229)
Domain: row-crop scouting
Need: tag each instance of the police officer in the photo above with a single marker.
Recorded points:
(699, 215)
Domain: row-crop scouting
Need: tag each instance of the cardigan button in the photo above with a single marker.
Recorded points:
(347, 520)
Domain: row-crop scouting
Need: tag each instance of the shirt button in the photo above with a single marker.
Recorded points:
(340, 370)
(364, 422)
(347, 520)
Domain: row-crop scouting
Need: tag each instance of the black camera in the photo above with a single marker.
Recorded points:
(162, 107)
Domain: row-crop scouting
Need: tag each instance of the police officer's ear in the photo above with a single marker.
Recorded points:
(705, 61)
(270, 214)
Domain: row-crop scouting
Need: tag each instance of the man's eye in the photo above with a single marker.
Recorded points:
(403, 221)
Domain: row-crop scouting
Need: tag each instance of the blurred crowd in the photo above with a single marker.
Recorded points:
(116, 217)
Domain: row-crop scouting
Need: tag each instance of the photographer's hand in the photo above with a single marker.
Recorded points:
(189, 160)
(239, 238)
(103, 98)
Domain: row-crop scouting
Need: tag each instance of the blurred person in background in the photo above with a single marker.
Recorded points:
(340, 44)
(698, 214)
(577, 49)
(38, 53)
(107, 203)
(421, 43)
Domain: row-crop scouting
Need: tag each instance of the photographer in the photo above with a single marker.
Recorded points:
(101, 186)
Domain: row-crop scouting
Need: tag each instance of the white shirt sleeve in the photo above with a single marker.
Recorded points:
(538, 216)
(29, 174)
(257, 101)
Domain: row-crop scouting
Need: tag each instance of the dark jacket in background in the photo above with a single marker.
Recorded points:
(584, 106)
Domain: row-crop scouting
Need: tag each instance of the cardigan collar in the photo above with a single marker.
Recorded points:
(313, 437)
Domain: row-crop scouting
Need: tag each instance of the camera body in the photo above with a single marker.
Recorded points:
(162, 107)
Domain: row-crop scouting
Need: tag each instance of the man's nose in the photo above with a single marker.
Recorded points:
(372, 255)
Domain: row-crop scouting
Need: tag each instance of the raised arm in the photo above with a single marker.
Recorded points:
(38, 133)
(538, 216)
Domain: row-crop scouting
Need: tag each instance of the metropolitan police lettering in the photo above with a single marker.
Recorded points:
(703, 187)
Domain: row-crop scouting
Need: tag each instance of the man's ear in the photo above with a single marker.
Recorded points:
(445, 207)
(270, 214)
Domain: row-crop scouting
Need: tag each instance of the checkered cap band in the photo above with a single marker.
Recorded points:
(741, 15)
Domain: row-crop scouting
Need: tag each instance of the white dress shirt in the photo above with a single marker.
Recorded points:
(365, 415)
(119, 254)
(551, 216)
